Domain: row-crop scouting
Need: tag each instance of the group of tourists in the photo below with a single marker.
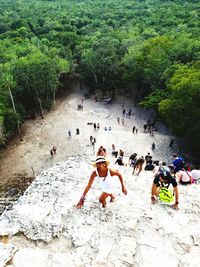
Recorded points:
(164, 176)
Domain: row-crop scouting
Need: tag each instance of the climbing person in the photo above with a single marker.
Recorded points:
(107, 180)
(101, 151)
(124, 112)
(123, 121)
(95, 126)
(134, 129)
(159, 189)
(118, 120)
(77, 131)
(93, 144)
(121, 153)
(91, 139)
(132, 159)
(138, 165)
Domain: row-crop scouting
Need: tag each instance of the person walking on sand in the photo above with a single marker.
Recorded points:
(69, 133)
(107, 180)
(51, 153)
(54, 149)
(153, 146)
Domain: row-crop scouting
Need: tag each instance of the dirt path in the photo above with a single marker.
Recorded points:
(20, 160)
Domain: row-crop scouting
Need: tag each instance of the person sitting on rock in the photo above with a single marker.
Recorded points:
(107, 180)
(119, 161)
(163, 180)
(148, 158)
(178, 163)
(183, 177)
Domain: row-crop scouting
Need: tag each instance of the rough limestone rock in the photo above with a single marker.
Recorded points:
(44, 228)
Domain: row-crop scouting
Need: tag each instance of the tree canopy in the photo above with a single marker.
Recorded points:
(149, 47)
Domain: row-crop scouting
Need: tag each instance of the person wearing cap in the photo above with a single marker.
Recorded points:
(107, 180)
(163, 180)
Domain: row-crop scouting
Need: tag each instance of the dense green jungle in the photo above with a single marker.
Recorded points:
(148, 48)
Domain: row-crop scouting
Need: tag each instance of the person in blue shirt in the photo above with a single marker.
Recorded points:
(177, 163)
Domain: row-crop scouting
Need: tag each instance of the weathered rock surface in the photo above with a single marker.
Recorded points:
(45, 229)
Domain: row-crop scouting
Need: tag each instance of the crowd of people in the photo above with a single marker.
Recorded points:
(176, 173)
(164, 176)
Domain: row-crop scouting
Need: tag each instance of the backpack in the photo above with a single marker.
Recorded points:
(165, 195)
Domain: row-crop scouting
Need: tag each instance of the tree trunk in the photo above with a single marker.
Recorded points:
(40, 104)
(54, 100)
(13, 104)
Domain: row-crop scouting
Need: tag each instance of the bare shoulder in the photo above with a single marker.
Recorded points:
(93, 174)
(114, 172)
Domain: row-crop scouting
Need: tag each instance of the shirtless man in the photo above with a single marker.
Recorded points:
(107, 180)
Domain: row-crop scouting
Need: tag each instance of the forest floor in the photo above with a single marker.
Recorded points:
(22, 161)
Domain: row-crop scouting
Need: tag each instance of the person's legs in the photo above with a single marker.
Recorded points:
(103, 197)
(140, 168)
(112, 198)
(134, 169)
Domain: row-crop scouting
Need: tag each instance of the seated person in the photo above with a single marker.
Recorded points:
(195, 175)
(178, 163)
(114, 152)
(183, 177)
(163, 180)
(148, 158)
(149, 163)
(119, 161)
(121, 153)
